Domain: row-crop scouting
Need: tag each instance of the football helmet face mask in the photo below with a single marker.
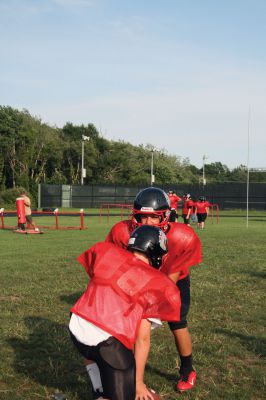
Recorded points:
(151, 241)
(151, 201)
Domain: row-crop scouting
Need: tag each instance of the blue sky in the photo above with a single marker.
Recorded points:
(181, 75)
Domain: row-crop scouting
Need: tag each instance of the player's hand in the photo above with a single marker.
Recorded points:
(142, 392)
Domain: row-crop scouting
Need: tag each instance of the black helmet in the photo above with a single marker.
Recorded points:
(202, 198)
(152, 200)
(151, 241)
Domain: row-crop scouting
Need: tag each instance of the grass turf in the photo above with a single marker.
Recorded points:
(40, 280)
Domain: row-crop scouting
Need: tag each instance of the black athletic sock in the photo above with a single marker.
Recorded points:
(186, 366)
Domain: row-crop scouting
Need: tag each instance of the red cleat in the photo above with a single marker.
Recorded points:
(188, 384)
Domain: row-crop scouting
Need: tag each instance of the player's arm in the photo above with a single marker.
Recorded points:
(142, 348)
(174, 277)
(26, 202)
(189, 212)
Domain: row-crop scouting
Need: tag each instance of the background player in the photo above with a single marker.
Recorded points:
(28, 212)
(174, 199)
(187, 209)
(202, 211)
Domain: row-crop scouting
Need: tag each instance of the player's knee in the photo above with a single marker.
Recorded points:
(177, 325)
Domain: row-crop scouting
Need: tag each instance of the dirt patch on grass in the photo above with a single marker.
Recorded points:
(10, 298)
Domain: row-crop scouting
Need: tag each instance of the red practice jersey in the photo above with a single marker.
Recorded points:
(184, 246)
(187, 205)
(174, 199)
(201, 207)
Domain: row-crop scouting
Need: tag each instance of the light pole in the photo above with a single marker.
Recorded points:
(152, 175)
(83, 170)
(203, 170)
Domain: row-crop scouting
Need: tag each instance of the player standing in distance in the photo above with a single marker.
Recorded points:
(187, 209)
(152, 207)
(27, 203)
(116, 311)
(174, 199)
(202, 211)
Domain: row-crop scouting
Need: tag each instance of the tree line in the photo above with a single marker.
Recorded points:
(33, 152)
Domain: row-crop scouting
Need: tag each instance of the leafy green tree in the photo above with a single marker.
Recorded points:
(216, 172)
(239, 174)
(30, 150)
(257, 176)
(33, 152)
(72, 138)
(10, 123)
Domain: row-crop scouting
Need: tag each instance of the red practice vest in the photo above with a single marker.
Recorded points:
(187, 205)
(124, 290)
(174, 199)
(201, 207)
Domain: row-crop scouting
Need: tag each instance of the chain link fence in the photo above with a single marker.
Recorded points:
(229, 195)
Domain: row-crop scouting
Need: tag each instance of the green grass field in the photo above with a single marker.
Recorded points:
(40, 280)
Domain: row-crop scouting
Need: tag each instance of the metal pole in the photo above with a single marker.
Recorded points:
(152, 167)
(39, 195)
(248, 167)
(82, 159)
(203, 170)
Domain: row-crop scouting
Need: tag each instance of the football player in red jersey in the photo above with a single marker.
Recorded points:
(174, 199)
(202, 211)
(187, 209)
(116, 310)
(152, 207)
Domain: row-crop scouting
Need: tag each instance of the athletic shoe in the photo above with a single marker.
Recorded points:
(186, 384)
(59, 396)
